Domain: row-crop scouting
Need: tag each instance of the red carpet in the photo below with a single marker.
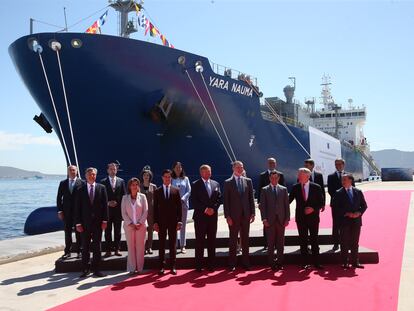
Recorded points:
(374, 288)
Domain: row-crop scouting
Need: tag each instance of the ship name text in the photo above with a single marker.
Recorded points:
(234, 87)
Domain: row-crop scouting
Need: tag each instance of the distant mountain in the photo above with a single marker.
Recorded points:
(16, 173)
(393, 158)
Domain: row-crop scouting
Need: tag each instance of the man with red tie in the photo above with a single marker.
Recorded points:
(309, 200)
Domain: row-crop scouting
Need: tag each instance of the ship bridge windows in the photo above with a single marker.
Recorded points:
(361, 113)
(328, 115)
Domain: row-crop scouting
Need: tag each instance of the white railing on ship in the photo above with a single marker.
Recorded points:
(232, 73)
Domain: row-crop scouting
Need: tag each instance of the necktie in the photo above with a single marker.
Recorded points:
(239, 185)
(274, 191)
(113, 184)
(208, 189)
(340, 175)
(71, 185)
(303, 192)
(166, 192)
(350, 194)
(91, 194)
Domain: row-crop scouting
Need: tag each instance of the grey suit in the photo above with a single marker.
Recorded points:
(239, 206)
(274, 207)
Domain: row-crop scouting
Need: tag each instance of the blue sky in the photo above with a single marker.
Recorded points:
(366, 47)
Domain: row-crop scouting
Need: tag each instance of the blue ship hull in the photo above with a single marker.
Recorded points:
(114, 86)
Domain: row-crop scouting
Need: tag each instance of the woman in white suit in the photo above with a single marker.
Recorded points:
(134, 209)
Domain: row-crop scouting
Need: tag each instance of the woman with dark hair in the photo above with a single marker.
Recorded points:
(134, 208)
(183, 183)
(148, 189)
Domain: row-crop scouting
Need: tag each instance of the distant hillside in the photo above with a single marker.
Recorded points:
(393, 158)
(16, 173)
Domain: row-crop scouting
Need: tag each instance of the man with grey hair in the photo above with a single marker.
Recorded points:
(309, 200)
(239, 211)
(91, 217)
(65, 203)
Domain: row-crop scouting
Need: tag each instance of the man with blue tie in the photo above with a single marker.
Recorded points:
(91, 217)
(205, 199)
(275, 212)
(349, 204)
(167, 219)
(65, 203)
(239, 211)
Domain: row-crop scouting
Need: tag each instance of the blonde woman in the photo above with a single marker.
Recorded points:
(134, 209)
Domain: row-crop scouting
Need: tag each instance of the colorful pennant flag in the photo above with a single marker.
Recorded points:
(137, 8)
(153, 31)
(96, 26)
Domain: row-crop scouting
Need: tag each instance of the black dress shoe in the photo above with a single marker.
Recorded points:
(98, 274)
(210, 269)
(198, 269)
(84, 274)
(232, 268)
(161, 272)
(305, 267)
(173, 271)
(65, 256)
(246, 267)
(117, 253)
(107, 254)
(345, 266)
(358, 266)
(318, 267)
(335, 247)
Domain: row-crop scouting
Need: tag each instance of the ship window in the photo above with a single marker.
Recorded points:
(354, 114)
(76, 43)
(361, 113)
(342, 114)
(351, 123)
(348, 114)
(328, 115)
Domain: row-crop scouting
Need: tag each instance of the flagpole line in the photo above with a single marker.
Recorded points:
(85, 18)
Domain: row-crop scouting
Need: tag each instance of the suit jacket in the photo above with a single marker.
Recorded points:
(274, 206)
(264, 181)
(65, 200)
(334, 183)
(167, 212)
(119, 192)
(141, 210)
(238, 205)
(200, 200)
(318, 179)
(91, 215)
(342, 204)
(314, 200)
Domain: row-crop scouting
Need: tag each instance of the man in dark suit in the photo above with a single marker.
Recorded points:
(205, 199)
(316, 177)
(65, 203)
(167, 218)
(264, 181)
(309, 200)
(91, 217)
(115, 188)
(335, 183)
(239, 211)
(275, 212)
(349, 205)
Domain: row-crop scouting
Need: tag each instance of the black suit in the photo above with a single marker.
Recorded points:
(203, 223)
(114, 213)
(334, 184)
(317, 178)
(263, 182)
(308, 223)
(167, 214)
(65, 203)
(350, 227)
(91, 215)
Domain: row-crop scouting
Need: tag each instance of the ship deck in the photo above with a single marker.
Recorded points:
(29, 282)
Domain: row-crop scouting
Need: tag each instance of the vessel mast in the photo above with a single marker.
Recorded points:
(124, 7)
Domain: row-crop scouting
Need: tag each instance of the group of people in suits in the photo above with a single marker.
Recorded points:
(96, 207)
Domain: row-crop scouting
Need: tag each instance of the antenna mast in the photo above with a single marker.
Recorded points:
(124, 7)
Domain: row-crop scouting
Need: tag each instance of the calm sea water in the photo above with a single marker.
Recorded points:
(18, 198)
